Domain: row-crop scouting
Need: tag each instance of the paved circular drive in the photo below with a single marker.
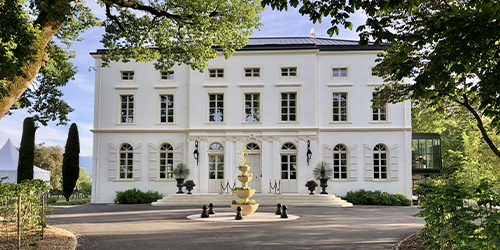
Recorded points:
(255, 217)
(133, 227)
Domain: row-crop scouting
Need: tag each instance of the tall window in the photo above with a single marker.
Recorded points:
(216, 107)
(166, 108)
(252, 107)
(126, 161)
(288, 107)
(127, 109)
(127, 75)
(339, 72)
(379, 112)
(288, 162)
(216, 73)
(339, 107)
(216, 161)
(289, 72)
(252, 72)
(380, 162)
(339, 162)
(166, 161)
(167, 75)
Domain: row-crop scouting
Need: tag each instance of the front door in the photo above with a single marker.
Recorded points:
(254, 162)
(215, 172)
(288, 173)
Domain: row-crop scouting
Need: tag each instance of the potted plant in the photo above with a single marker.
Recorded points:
(311, 185)
(181, 171)
(245, 177)
(243, 167)
(322, 172)
(189, 184)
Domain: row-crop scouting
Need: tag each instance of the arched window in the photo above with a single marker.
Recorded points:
(288, 162)
(340, 162)
(379, 162)
(252, 146)
(126, 161)
(216, 161)
(166, 161)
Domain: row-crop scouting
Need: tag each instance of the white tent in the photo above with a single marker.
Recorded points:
(9, 157)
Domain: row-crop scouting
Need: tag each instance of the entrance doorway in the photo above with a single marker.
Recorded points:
(253, 160)
(288, 168)
(215, 167)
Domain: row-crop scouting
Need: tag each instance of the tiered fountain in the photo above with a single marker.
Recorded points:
(248, 207)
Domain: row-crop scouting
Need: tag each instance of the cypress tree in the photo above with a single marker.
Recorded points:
(26, 151)
(71, 162)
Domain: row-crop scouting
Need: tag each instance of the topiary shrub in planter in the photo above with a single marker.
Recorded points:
(135, 196)
(377, 197)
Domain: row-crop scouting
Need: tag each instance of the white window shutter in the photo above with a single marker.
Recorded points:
(327, 152)
(137, 162)
(152, 162)
(394, 162)
(353, 163)
(112, 164)
(177, 154)
(368, 163)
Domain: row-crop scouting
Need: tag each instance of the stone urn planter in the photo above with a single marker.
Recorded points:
(245, 178)
(323, 184)
(189, 184)
(181, 171)
(180, 184)
(244, 192)
(323, 172)
(311, 185)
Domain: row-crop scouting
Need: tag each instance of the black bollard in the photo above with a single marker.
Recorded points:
(238, 214)
(284, 215)
(204, 214)
(278, 211)
(211, 208)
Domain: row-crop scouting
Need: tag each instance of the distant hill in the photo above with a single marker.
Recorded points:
(86, 162)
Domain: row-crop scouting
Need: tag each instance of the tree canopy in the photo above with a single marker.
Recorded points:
(71, 161)
(448, 49)
(50, 158)
(26, 151)
(35, 37)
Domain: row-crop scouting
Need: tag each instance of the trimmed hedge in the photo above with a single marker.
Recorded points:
(135, 196)
(377, 197)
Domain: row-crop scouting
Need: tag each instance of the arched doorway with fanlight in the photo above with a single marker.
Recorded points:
(215, 167)
(254, 161)
(288, 162)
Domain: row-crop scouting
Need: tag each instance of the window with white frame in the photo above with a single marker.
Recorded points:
(288, 162)
(373, 72)
(252, 107)
(216, 161)
(379, 112)
(127, 109)
(339, 72)
(339, 103)
(166, 108)
(216, 107)
(339, 162)
(380, 162)
(289, 71)
(127, 75)
(126, 161)
(167, 75)
(289, 107)
(166, 161)
(252, 72)
(216, 73)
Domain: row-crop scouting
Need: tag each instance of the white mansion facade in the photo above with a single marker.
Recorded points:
(273, 96)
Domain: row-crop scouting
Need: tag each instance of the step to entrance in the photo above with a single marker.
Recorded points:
(266, 200)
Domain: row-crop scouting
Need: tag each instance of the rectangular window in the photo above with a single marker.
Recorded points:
(289, 72)
(252, 72)
(216, 107)
(216, 73)
(426, 153)
(127, 75)
(252, 107)
(288, 107)
(379, 112)
(166, 108)
(339, 104)
(167, 75)
(373, 72)
(127, 109)
(339, 72)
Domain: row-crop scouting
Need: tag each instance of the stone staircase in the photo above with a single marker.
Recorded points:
(268, 200)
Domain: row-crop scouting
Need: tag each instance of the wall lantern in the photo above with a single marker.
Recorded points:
(309, 153)
(195, 152)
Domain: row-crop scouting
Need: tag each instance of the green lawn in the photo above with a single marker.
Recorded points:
(61, 201)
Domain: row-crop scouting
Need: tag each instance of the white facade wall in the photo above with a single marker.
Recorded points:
(314, 87)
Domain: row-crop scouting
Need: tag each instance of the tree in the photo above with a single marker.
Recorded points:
(71, 162)
(26, 151)
(50, 158)
(449, 49)
(167, 32)
(84, 182)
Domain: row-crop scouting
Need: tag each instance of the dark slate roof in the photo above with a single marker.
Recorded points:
(298, 43)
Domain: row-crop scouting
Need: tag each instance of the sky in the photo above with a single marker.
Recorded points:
(79, 93)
